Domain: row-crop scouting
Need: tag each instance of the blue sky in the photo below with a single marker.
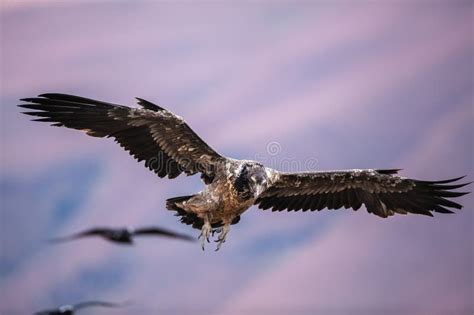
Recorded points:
(342, 85)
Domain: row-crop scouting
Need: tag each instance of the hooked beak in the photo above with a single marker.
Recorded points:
(259, 189)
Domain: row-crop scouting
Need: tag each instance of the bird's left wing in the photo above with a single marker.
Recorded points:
(162, 232)
(151, 133)
(97, 303)
(381, 191)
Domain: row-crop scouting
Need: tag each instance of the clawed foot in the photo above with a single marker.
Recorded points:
(205, 234)
(222, 236)
(207, 231)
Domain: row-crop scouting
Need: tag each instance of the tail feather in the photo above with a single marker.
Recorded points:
(190, 218)
(171, 202)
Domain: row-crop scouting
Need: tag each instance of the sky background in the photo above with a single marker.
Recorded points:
(339, 84)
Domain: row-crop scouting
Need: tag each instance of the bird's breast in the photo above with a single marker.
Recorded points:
(231, 198)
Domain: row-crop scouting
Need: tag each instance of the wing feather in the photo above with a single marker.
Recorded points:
(162, 232)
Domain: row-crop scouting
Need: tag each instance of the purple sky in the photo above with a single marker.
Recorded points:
(339, 85)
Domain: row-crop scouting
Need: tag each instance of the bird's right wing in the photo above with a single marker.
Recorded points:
(86, 233)
(151, 133)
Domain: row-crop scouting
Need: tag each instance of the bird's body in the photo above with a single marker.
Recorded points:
(234, 189)
(120, 236)
(228, 196)
(170, 147)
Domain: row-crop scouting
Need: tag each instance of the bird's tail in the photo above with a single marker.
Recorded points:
(189, 218)
(172, 203)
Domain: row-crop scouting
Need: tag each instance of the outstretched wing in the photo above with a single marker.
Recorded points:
(86, 233)
(48, 312)
(162, 232)
(381, 191)
(97, 303)
(151, 133)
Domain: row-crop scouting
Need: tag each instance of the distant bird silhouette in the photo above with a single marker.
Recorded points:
(123, 235)
(170, 147)
(72, 309)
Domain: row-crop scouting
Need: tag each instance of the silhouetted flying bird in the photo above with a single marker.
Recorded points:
(72, 309)
(123, 235)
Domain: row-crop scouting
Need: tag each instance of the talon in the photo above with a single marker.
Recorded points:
(205, 233)
(222, 236)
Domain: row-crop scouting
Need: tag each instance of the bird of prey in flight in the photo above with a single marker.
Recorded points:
(169, 147)
(123, 235)
(72, 309)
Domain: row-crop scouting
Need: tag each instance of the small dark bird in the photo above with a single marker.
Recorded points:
(72, 309)
(170, 147)
(123, 235)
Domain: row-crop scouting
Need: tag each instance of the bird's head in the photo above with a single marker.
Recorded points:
(252, 180)
(66, 310)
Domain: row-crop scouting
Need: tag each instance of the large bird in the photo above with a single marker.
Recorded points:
(123, 235)
(71, 309)
(169, 147)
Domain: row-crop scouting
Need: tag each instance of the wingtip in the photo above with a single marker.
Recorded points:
(184, 237)
(190, 239)
(28, 99)
(445, 181)
(47, 95)
(456, 179)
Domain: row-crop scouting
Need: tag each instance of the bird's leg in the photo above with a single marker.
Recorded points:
(223, 235)
(205, 230)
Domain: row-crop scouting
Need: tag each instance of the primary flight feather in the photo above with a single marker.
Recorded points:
(170, 147)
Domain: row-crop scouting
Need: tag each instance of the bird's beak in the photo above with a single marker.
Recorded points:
(259, 190)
